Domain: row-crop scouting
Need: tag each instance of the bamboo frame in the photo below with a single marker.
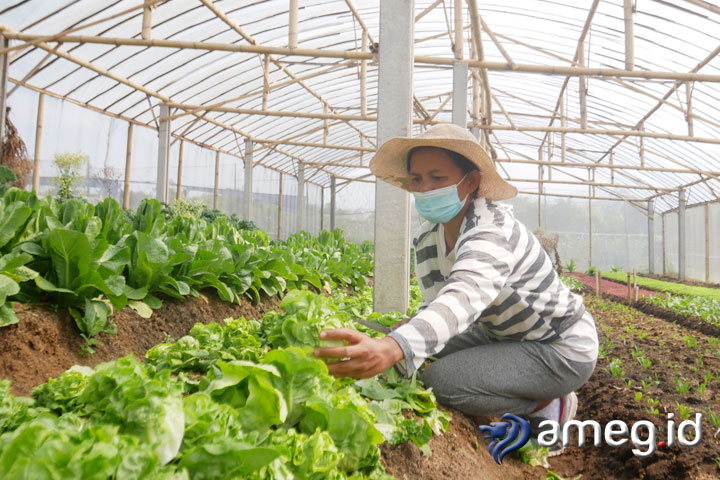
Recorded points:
(629, 35)
(216, 190)
(352, 55)
(178, 193)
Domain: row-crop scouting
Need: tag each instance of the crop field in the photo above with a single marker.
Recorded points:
(151, 345)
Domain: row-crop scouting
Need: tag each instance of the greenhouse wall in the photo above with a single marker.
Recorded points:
(702, 260)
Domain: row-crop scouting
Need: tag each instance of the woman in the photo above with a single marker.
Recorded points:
(509, 336)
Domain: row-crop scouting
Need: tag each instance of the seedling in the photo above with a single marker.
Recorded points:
(638, 396)
(682, 385)
(615, 368)
(690, 341)
(652, 406)
(701, 389)
(684, 411)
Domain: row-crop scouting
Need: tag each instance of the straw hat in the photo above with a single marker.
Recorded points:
(390, 161)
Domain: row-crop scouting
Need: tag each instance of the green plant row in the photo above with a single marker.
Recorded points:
(663, 286)
(243, 400)
(705, 308)
(94, 259)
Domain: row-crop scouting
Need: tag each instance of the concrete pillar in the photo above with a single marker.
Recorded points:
(333, 190)
(248, 181)
(163, 155)
(3, 89)
(460, 93)
(651, 236)
(681, 236)
(300, 200)
(392, 205)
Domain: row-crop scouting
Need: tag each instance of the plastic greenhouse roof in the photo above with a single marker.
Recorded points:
(225, 69)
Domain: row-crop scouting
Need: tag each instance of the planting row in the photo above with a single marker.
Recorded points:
(94, 259)
(243, 400)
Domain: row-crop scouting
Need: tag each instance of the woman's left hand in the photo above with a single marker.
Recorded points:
(366, 356)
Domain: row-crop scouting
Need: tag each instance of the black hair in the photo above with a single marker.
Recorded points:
(465, 165)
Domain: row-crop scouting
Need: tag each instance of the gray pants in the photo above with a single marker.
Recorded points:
(481, 377)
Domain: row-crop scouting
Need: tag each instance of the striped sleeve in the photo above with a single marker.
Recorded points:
(482, 266)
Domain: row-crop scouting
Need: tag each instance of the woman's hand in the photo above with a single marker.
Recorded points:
(366, 356)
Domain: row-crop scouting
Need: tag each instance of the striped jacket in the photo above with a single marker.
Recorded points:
(497, 274)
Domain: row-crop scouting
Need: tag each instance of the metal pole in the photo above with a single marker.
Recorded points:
(651, 236)
(128, 158)
(163, 154)
(333, 186)
(392, 205)
(248, 210)
(460, 91)
(38, 143)
(681, 236)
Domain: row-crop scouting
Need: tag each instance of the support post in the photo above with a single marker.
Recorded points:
(392, 205)
(216, 189)
(458, 30)
(681, 236)
(248, 209)
(293, 24)
(322, 208)
(583, 88)
(128, 158)
(147, 20)
(280, 206)
(300, 218)
(3, 89)
(460, 91)
(333, 187)
(629, 287)
(707, 243)
(563, 122)
(651, 236)
(664, 248)
(178, 193)
(597, 283)
(540, 192)
(161, 185)
(590, 229)
(38, 143)
(629, 35)
(689, 114)
(363, 77)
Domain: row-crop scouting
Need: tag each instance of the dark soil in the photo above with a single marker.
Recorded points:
(45, 343)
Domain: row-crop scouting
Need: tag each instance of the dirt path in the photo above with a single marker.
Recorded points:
(608, 287)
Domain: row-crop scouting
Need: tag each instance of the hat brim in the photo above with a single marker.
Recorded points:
(390, 164)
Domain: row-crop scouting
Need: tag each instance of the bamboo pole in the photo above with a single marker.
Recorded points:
(217, 180)
(562, 70)
(293, 24)
(326, 129)
(689, 115)
(629, 35)
(594, 184)
(178, 194)
(540, 192)
(38, 143)
(563, 123)
(583, 88)
(147, 20)
(428, 10)
(591, 194)
(597, 283)
(458, 43)
(128, 158)
(363, 76)
(629, 287)
(266, 81)
(635, 285)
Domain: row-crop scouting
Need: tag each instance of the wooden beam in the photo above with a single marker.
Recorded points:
(428, 10)
(363, 76)
(458, 30)
(592, 183)
(38, 143)
(612, 167)
(688, 108)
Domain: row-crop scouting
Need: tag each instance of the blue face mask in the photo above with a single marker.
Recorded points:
(440, 205)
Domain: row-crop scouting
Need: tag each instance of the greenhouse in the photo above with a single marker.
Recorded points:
(190, 193)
